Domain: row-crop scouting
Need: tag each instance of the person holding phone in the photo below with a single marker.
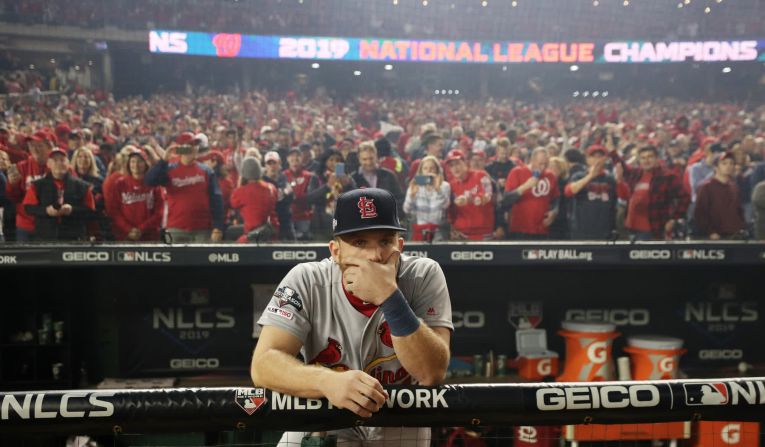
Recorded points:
(532, 192)
(427, 200)
(194, 199)
(333, 181)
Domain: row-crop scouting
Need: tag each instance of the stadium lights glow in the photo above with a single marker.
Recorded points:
(388, 67)
(504, 68)
(424, 2)
(626, 2)
(31, 66)
(586, 93)
(707, 10)
(453, 6)
(315, 65)
(718, 1)
(680, 5)
(436, 92)
(357, 73)
(574, 68)
(76, 68)
(604, 94)
(395, 2)
(456, 92)
(514, 4)
(443, 92)
(687, 2)
(484, 3)
(595, 3)
(450, 92)
(726, 70)
(576, 93)
(595, 94)
(53, 61)
(90, 63)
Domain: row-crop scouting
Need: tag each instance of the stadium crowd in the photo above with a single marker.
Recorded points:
(260, 167)
(539, 20)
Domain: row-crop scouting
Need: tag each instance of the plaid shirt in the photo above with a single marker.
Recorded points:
(429, 204)
(667, 199)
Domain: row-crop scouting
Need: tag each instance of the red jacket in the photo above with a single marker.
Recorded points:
(136, 206)
(474, 220)
(194, 201)
(226, 188)
(110, 201)
(301, 209)
(29, 171)
(257, 201)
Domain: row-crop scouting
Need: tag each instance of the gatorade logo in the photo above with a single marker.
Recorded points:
(667, 364)
(597, 352)
(544, 367)
(731, 433)
(527, 434)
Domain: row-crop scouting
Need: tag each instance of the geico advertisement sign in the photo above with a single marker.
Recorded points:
(590, 398)
(191, 363)
(463, 255)
(470, 319)
(650, 255)
(75, 404)
(721, 354)
(619, 317)
(294, 255)
(85, 256)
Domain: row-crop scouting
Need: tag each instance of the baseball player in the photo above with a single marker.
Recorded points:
(366, 317)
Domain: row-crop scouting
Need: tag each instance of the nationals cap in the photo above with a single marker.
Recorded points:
(365, 209)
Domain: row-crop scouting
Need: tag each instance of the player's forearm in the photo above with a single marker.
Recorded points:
(280, 372)
(424, 354)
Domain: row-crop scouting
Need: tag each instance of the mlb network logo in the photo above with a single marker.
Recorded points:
(706, 393)
(251, 399)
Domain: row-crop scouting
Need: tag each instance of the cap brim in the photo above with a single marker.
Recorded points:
(372, 227)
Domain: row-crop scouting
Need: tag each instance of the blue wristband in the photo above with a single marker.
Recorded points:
(400, 317)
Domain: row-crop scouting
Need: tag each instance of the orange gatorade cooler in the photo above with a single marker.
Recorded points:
(726, 434)
(535, 361)
(588, 351)
(654, 357)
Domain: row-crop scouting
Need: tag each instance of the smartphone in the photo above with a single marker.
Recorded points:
(423, 180)
(340, 169)
(183, 150)
(537, 174)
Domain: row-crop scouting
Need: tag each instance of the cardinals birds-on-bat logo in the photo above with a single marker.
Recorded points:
(331, 356)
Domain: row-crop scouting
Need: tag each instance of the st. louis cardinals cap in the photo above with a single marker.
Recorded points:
(365, 209)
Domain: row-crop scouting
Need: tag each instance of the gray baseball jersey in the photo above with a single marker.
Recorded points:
(311, 305)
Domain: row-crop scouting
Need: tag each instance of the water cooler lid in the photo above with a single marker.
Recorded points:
(588, 326)
(659, 342)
